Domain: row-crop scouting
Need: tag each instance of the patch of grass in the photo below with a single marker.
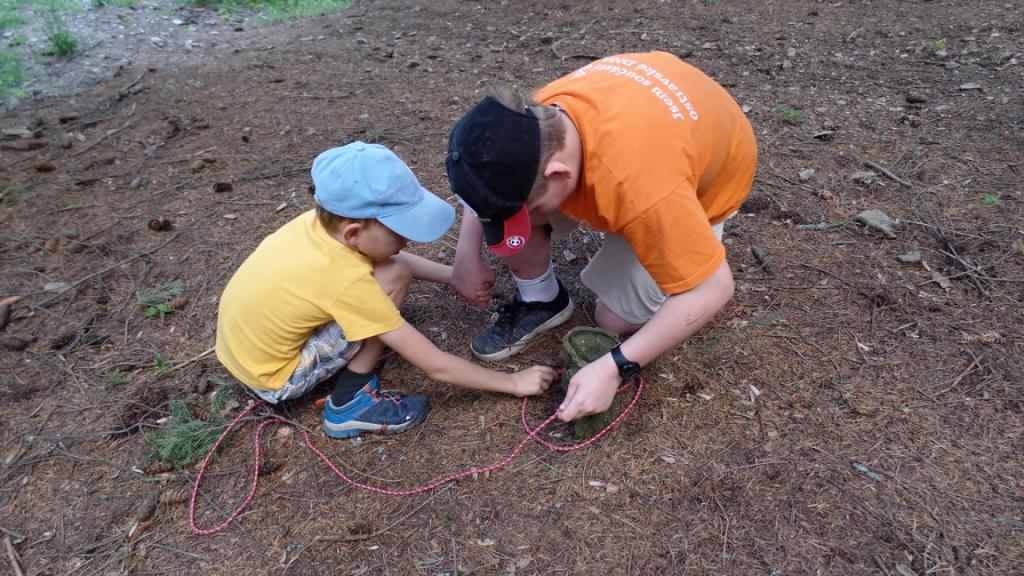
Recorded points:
(225, 392)
(113, 379)
(62, 42)
(184, 439)
(155, 299)
(104, 3)
(991, 199)
(13, 74)
(160, 365)
(280, 9)
(789, 114)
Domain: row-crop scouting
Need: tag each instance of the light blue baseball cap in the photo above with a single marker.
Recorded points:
(361, 180)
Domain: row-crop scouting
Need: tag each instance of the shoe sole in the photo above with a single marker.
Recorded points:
(352, 429)
(554, 322)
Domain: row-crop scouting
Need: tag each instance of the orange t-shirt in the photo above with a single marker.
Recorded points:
(666, 154)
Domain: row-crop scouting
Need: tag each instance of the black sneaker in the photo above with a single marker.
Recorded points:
(519, 322)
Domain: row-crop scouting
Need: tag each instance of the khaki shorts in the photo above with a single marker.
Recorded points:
(616, 275)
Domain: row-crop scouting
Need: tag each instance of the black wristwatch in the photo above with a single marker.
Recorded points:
(627, 369)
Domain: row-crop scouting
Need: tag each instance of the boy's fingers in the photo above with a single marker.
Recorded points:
(567, 410)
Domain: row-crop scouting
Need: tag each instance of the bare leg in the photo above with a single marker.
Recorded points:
(610, 321)
(534, 259)
(394, 276)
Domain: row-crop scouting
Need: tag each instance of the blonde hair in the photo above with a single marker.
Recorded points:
(332, 222)
(552, 131)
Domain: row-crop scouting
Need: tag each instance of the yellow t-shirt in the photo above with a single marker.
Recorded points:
(666, 154)
(296, 280)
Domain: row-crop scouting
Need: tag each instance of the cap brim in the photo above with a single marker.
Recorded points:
(508, 237)
(427, 221)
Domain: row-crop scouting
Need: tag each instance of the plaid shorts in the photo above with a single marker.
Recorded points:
(323, 355)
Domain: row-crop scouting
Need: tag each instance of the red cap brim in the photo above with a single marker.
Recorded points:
(517, 233)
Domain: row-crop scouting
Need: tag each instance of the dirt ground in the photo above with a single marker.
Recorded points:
(847, 413)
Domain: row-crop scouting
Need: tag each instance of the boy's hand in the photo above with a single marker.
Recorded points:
(591, 390)
(533, 380)
(472, 280)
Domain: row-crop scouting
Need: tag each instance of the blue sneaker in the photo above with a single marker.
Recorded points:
(373, 410)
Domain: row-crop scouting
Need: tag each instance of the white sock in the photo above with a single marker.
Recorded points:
(544, 288)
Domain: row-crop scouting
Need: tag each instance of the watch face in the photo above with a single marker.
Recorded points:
(630, 370)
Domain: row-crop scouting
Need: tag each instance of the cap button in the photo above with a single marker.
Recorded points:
(360, 147)
(455, 156)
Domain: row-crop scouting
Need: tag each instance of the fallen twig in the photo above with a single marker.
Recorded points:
(888, 174)
(191, 360)
(78, 282)
(12, 555)
(105, 136)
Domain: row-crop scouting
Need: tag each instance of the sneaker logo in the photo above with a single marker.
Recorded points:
(515, 241)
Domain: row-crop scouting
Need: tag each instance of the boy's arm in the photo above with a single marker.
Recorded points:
(592, 389)
(472, 278)
(425, 269)
(439, 365)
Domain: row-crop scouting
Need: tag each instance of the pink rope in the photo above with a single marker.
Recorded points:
(531, 434)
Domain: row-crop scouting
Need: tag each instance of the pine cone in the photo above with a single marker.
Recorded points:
(157, 467)
(178, 303)
(175, 496)
(201, 412)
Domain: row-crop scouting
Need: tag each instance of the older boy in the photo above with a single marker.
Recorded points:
(643, 147)
(318, 299)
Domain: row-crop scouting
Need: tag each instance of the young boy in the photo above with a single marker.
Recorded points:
(319, 298)
(643, 147)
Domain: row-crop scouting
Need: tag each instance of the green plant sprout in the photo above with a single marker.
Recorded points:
(155, 300)
(789, 114)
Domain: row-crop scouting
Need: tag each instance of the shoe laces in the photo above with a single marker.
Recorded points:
(385, 396)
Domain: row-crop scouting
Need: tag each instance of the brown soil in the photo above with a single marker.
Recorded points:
(847, 415)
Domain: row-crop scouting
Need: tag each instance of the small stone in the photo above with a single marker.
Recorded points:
(970, 86)
(197, 165)
(786, 64)
(807, 174)
(878, 220)
(910, 258)
(45, 167)
(221, 187)
(914, 98)
(865, 176)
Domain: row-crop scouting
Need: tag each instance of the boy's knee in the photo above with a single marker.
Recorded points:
(612, 322)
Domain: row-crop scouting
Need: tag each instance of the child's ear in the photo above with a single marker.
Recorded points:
(351, 231)
(556, 170)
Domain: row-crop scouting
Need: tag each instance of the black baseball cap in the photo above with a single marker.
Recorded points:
(492, 162)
